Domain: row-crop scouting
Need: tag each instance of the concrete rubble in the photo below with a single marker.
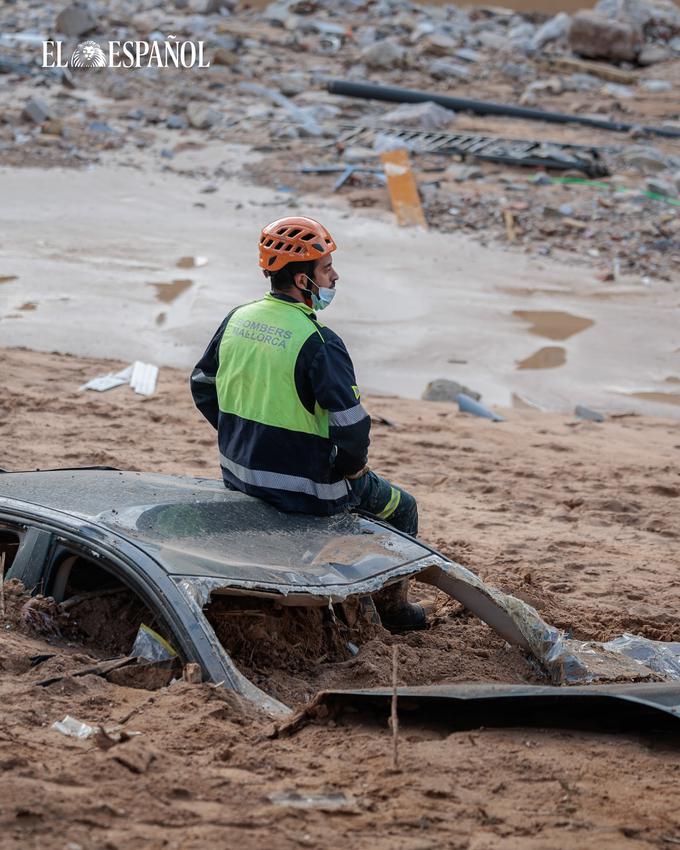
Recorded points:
(266, 89)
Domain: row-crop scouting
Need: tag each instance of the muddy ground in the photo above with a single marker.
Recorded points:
(579, 518)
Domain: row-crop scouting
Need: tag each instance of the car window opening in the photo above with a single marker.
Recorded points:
(9, 546)
(284, 648)
(97, 609)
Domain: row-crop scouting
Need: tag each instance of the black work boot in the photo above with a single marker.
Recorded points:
(396, 612)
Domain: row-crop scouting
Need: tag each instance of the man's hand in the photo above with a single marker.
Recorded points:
(359, 474)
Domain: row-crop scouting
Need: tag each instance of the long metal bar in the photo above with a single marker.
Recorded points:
(509, 151)
(483, 107)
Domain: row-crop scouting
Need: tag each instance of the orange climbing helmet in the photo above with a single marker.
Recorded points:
(294, 239)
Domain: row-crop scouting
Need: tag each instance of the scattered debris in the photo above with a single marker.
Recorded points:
(201, 116)
(466, 404)
(140, 376)
(383, 55)
(36, 111)
(107, 382)
(597, 69)
(563, 156)
(587, 413)
(597, 37)
(301, 116)
(151, 646)
(192, 673)
(403, 190)
(73, 728)
(146, 675)
(480, 107)
(322, 802)
(75, 20)
(394, 717)
(442, 389)
(346, 172)
(143, 378)
(426, 116)
(133, 755)
(554, 29)
(191, 262)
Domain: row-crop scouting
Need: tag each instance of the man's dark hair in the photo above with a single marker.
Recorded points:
(282, 280)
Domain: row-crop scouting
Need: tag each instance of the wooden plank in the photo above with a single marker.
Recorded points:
(401, 185)
(582, 66)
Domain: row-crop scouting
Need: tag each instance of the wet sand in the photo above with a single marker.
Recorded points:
(579, 519)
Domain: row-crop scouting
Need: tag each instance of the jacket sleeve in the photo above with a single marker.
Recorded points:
(203, 377)
(335, 389)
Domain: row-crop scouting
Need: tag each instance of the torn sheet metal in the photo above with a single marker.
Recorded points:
(235, 680)
(401, 185)
(640, 707)
(565, 660)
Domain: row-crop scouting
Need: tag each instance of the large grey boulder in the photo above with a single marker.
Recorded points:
(597, 37)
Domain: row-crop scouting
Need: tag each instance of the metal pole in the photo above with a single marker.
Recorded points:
(483, 107)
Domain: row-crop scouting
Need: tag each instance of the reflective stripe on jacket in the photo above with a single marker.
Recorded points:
(280, 389)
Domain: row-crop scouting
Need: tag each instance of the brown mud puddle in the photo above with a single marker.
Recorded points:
(549, 357)
(169, 292)
(663, 398)
(526, 292)
(6, 278)
(553, 324)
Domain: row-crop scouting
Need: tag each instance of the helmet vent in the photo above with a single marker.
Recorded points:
(307, 237)
(293, 233)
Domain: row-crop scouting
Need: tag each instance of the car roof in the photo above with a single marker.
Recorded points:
(196, 527)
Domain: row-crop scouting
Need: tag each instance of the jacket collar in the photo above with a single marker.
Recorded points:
(281, 296)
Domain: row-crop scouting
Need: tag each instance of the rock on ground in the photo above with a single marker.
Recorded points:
(421, 116)
(383, 55)
(75, 20)
(597, 37)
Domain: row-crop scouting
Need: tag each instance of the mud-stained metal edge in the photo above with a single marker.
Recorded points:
(472, 705)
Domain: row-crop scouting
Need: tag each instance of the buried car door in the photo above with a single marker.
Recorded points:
(106, 592)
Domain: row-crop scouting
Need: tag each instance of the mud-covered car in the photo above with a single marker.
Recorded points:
(187, 557)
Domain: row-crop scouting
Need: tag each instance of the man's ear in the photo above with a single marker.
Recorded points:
(300, 280)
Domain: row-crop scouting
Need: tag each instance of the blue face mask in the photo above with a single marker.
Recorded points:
(323, 299)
